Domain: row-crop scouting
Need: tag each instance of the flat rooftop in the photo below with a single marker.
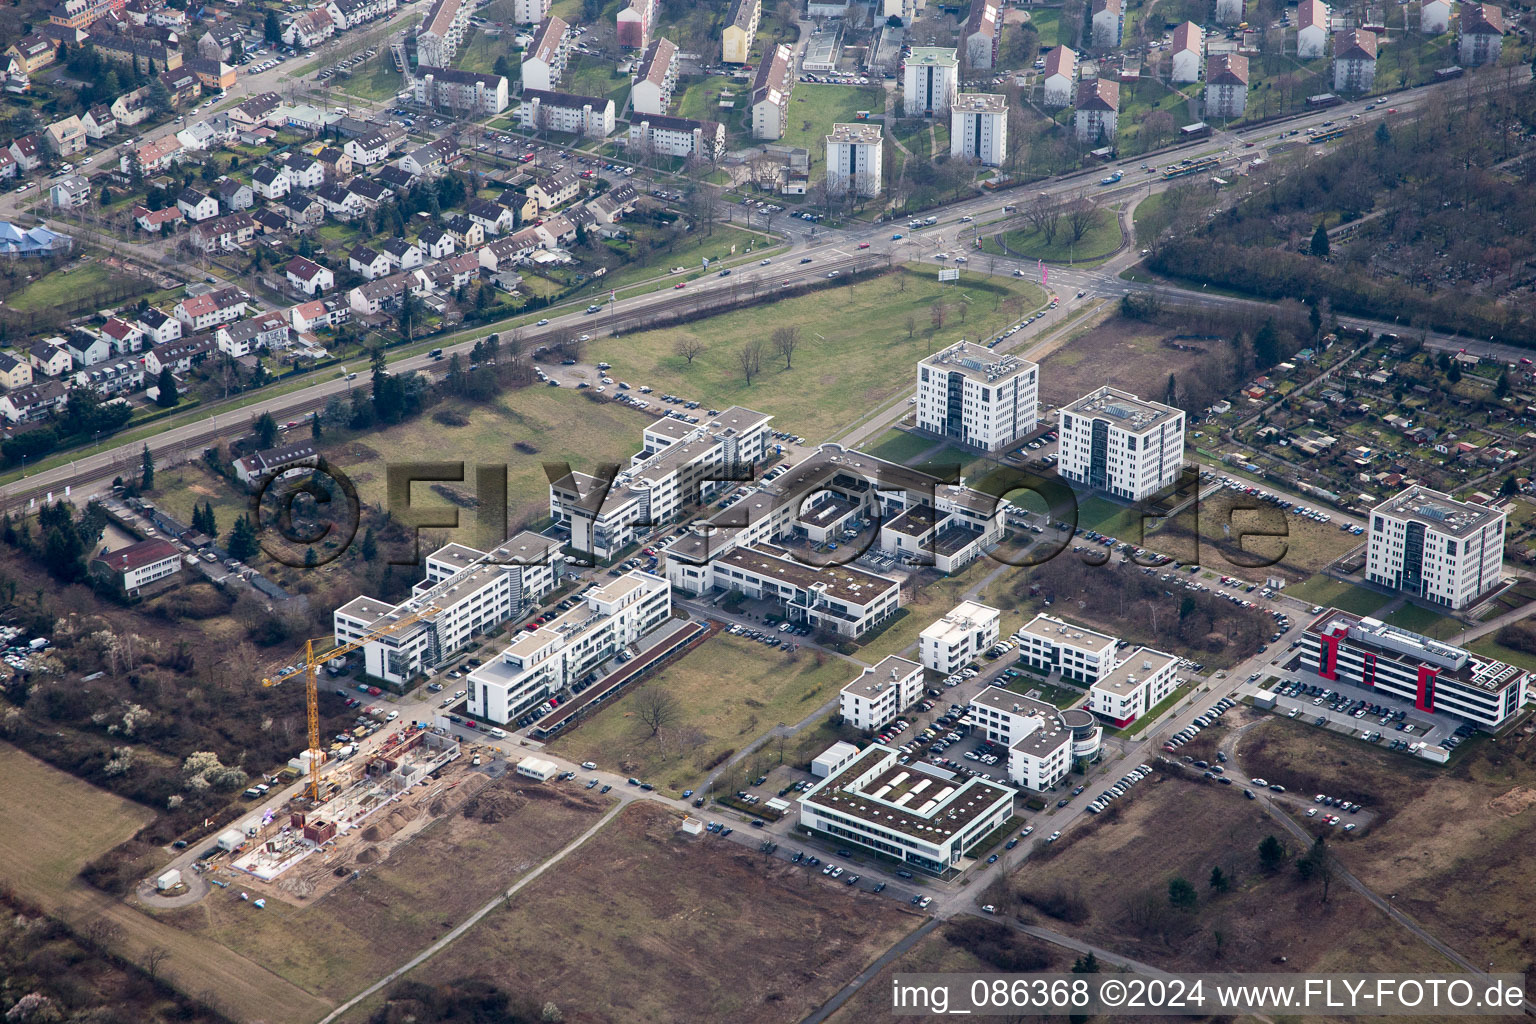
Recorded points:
(1440, 512)
(1122, 409)
(1410, 650)
(980, 103)
(1134, 670)
(918, 800)
(863, 131)
(840, 582)
(936, 56)
(887, 673)
(914, 522)
(1060, 631)
(978, 363)
(828, 509)
(1041, 741)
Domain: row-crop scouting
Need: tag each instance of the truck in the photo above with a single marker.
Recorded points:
(1111, 179)
(930, 221)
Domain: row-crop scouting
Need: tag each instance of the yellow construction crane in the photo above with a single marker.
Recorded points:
(311, 666)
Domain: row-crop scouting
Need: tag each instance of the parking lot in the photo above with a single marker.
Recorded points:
(1362, 712)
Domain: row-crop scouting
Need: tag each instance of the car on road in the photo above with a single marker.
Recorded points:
(681, 284)
(863, 245)
(1054, 836)
(541, 323)
(589, 765)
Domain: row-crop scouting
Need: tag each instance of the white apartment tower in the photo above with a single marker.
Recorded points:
(1113, 441)
(530, 12)
(976, 397)
(1434, 547)
(978, 128)
(931, 81)
(855, 159)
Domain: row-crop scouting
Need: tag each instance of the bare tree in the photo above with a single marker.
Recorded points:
(750, 358)
(657, 708)
(689, 348)
(962, 307)
(936, 314)
(1044, 215)
(155, 958)
(911, 323)
(1081, 214)
(785, 340)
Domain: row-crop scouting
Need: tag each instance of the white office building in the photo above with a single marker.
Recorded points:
(1113, 441)
(879, 694)
(855, 159)
(972, 395)
(959, 637)
(1134, 687)
(978, 128)
(1050, 645)
(1431, 546)
(540, 663)
(471, 591)
(930, 82)
(1342, 647)
(923, 816)
(1043, 742)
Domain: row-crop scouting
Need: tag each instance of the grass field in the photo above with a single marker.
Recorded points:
(1261, 918)
(1332, 593)
(560, 424)
(41, 864)
(481, 50)
(730, 692)
(901, 447)
(639, 925)
(1102, 238)
(374, 79)
(1047, 23)
(65, 288)
(854, 352)
(700, 99)
(589, 75)
(331, 947)
(1241, 534)
(688, 251)
(815, 107)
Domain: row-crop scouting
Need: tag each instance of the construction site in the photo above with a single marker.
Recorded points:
(386, 795)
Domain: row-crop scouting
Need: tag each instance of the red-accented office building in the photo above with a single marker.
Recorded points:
(1437, 677)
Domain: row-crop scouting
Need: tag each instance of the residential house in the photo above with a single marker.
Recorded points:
(14, 372)
(308, 276)
(339, 202)
(99, 122)
(65, 137)
(431, 159)
(654, 77)
(436, 242)
(206, 311)
(555, 189)
(254, 468)
(633, 23)
(151, 157)
(467, 234)
(453, 272)
(49, 359)
(460, 92)
(369, 262)
(771, 89)
(158, 326)
(197, 206)
(1482, 34)
(1097, 114)
(70, 192)
(87, 348)
(401, 254)
(740, 31)
(261, 110)
(211, 74)
(156, 221)
(231, 232)
(1186, 53)
(678, 136)
(183, 86)
(263, 331)
(1354, 61)
(367, 150)
(589, 116)
(1312, 29)
(309, 29)
(221, 42)
(118, 377)
(382, 294)
(1434, 17)
(556, 231)
(130, 569)
(1108, 24)
(7, 164)
(493, 219)
(33, 402)
(1226, 86)
(395, 177)
(270, 182)
(544, 61)
(233, 195)
(33, 53)
(197, 136)
(1060, 78)
(131, 107)
(312, 316)
(530, 12)
(138, 49)
(15, 81)
(982, 33)
(180, 355)
(125, 336)
(28, 151)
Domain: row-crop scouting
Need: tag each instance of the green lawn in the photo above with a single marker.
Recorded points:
(814, 107)
(1108, 518)
(375, 79)
(1158, 710)
(729, 692)
(901, 447)
(1332, 593)
(854, 352)
(1047, 23)
(480, 53)
(1102, 238)
(589, 75)
(689, 252)
(61, 288)
(700, 100)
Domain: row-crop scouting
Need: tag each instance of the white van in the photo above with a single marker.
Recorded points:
(500, 734)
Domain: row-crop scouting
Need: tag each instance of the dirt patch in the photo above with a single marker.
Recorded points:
(695, 931)
(1516, 800)
(1137, 352)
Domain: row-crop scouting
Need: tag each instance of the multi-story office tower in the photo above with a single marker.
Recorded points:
(1113, 441)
